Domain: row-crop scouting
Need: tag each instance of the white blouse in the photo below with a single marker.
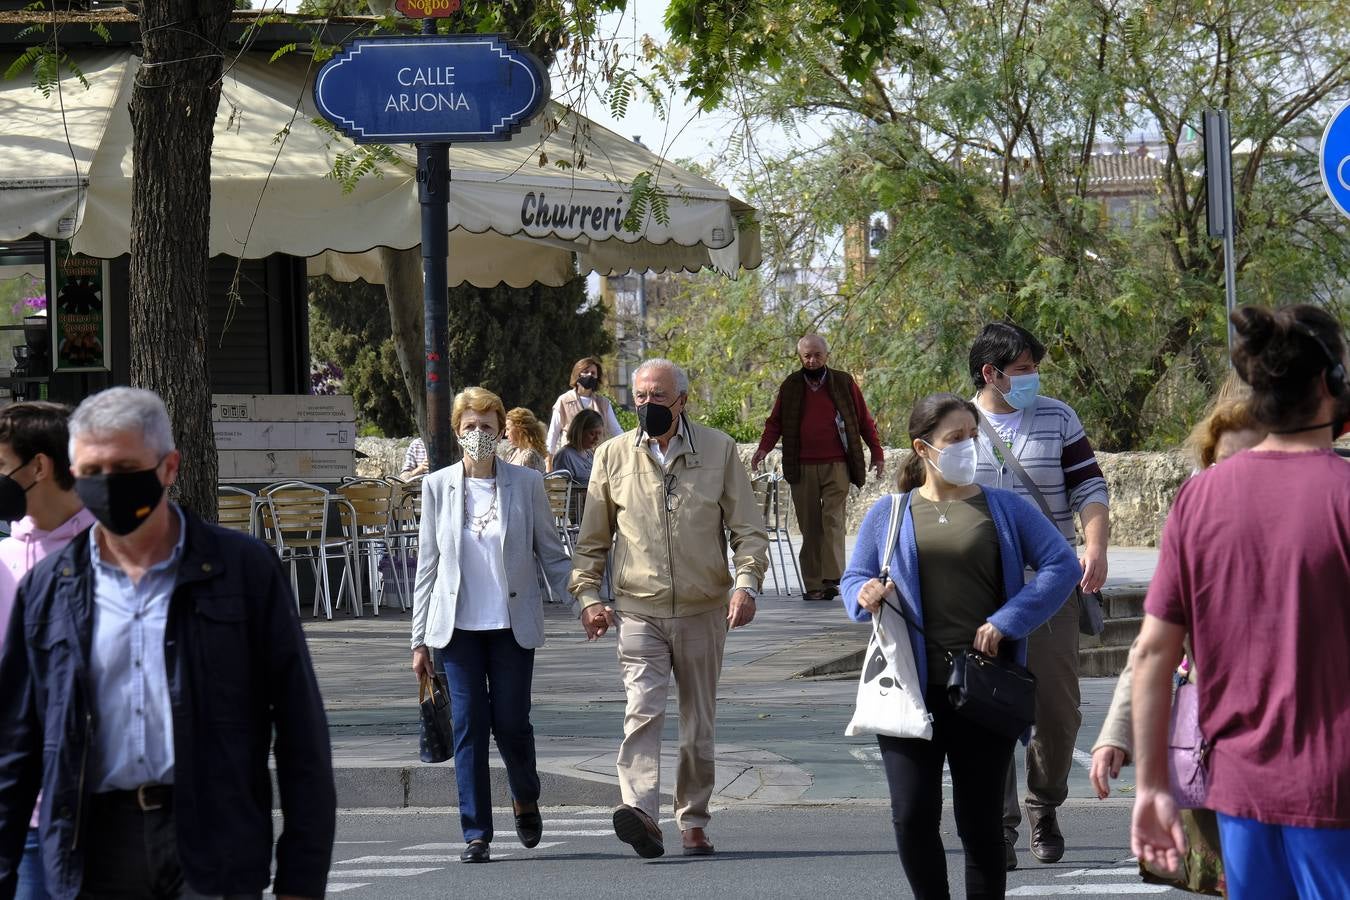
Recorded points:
(482, 604)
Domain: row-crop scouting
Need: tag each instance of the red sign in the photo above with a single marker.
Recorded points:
(427, 9)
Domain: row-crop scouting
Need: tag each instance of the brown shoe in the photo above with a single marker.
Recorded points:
(635, 828)
(1047, 843)
(696, 842)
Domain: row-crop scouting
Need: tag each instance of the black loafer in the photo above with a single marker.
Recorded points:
(529, 826)
(1010, 854)
(476, 852)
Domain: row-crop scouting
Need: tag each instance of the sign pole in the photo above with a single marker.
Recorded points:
(433, 195)
(1219, 204)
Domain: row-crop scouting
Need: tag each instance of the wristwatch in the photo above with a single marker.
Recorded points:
(754, 594)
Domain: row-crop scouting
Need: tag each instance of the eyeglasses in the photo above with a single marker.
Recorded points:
(672, 498)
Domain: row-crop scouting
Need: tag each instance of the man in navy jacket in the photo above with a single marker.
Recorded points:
(147, 668)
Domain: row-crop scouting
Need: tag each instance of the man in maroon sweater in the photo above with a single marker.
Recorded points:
(823, 421)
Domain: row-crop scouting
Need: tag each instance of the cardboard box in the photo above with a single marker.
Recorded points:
(275, 465)
(281, 408)
(285, 435)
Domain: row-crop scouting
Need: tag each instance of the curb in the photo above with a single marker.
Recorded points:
(432, 786)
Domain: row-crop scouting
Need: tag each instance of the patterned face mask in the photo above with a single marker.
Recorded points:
(478, 445)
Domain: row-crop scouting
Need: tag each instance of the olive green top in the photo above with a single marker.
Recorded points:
(959, 574)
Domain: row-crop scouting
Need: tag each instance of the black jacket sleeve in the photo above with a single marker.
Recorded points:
(20, 747)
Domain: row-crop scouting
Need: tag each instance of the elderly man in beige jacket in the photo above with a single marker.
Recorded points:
(664, 497)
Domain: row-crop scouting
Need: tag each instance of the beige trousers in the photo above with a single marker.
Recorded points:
(650, 650)
(1052, 656)
(819, 497)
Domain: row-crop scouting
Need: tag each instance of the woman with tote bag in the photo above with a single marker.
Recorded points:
(960, 551)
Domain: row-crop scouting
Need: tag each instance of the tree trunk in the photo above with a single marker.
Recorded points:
(173, 111)
(403, 290)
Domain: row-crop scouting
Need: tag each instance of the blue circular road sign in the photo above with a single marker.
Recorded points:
(1334, 159)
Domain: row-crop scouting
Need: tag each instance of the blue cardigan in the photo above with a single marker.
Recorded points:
(1026, 539)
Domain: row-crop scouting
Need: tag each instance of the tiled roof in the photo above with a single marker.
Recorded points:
(1123, 169)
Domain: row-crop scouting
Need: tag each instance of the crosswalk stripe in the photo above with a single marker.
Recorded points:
(1095, 890)
(340, 886)
(1083, 758)
(386, 873)
(1098, 873)
(542, 845)
(370, 860)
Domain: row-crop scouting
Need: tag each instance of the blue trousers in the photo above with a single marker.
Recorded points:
(489, 677)
(1281, 862)
(32, 881)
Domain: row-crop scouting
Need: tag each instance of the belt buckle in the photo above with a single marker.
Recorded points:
(143, 800)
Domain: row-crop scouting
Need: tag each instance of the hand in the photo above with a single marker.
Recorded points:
(757, 460)
(987, 639)
(1155, 830)
(1106, 763)
(1093, 561)
(742, 609)
(597, 619)
(421, 663)
(878, 464)
(871, 593)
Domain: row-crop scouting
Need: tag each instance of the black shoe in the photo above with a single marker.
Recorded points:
(476, 852)
(635, 827)
(1010, 853)
(1047, 844)
(831, 589)
(529, 826)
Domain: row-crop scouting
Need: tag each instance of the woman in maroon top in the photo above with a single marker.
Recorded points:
(1255, 566)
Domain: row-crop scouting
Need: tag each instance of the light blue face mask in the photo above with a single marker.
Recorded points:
(1022, 389)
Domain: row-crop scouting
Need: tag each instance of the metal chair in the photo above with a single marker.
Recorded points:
(295, 517)
(405, 525)
(558, 486)
(235, 509)
(365, 520)
(768, 490)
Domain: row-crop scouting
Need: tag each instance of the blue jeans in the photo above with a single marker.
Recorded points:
(1281, 862)
(32, 881)
(489, 677)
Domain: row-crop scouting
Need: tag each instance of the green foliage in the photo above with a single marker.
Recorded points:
(521, 342)
(726, 417)
(988, 143)
(628, 419)
(349, 326)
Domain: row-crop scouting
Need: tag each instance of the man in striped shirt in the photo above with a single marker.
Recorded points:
(1048, 440)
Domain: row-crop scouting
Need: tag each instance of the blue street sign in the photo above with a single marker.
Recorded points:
(1334, 159)
(459, 87)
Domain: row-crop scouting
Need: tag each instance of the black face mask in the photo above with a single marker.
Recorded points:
(13, 496)
(655, 419)
(121, 501)
(589, 382)
(814, 374)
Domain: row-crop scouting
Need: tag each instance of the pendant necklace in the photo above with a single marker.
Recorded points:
(942, 513)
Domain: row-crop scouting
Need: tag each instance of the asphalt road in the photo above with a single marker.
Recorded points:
(813, 852)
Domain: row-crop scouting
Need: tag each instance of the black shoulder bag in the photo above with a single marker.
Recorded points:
(1091, 622)
(993, 692)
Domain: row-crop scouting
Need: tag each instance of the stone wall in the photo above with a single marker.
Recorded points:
(1142, 484)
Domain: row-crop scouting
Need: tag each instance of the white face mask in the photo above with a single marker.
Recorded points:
(478, 445)
(956, 462)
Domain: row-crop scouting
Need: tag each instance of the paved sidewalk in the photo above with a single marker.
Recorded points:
(780, 738)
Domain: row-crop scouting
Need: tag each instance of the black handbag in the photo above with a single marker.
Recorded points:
(996, 693)
(435, 743)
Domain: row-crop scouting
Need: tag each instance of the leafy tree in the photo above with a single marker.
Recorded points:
(980, 136)
(519, 343)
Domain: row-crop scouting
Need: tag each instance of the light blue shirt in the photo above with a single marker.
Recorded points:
(133, 720)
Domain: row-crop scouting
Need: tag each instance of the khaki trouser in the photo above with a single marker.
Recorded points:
(650, 649)
(1052, 656)
(819, 497)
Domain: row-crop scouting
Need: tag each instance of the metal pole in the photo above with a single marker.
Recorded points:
(1229, 232)
(642, 313)
(433, 194)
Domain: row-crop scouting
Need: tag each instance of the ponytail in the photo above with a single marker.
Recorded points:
(912, 474)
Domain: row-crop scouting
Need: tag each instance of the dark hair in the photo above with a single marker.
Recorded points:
(998, 345)
(583, 422)
(1282, 353)
(924, 419)
(584, 363)
(40, 427)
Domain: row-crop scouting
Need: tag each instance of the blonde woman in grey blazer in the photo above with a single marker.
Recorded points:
(487, 531)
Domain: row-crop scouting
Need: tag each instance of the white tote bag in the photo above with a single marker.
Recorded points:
(889, 697)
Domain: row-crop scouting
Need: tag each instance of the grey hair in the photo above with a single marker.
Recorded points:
(124, 409)
(813, 337)
(681, 379)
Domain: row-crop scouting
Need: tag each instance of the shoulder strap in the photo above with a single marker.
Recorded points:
(1011, 459)
(899, 503)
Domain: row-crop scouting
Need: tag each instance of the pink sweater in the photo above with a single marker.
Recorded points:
(26, 546)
